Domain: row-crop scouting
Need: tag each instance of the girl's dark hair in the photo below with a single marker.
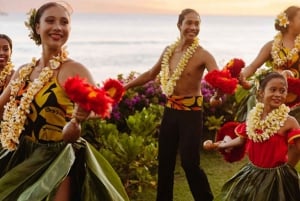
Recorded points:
(268, 77)
(35, 16)
(8, 39)
(184, 13)
(290, 12)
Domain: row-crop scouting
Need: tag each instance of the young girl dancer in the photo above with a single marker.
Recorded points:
(267, 132)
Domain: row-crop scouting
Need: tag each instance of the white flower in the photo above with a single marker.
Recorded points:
(5, 72)
(54, 64)
(282, 19)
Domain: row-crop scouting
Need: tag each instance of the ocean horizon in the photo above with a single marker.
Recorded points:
(112, 44)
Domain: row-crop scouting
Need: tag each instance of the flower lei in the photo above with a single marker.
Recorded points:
(5, 72)
(168, 82)
(15, 111)
(275, 52)
(259, 129)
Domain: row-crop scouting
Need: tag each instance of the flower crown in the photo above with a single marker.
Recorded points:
(260, 75)
(30, 24)
(282, 20)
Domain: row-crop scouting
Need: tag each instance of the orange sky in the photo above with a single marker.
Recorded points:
(227, 7)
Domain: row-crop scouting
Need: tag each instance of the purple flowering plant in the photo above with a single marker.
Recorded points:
(135, 99)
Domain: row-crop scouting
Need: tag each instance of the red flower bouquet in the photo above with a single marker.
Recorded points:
(235, 66)
(114, 89)
(92, 98)
(226, 80)
(228, 131)
(222, 81)
(293, 85)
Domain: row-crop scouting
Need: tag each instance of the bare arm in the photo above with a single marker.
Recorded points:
(294, 149)
(297, 144)
(71, 69)
(294, 153)
(210, 62)
(236, 142)
(261, 58)
(4, 97)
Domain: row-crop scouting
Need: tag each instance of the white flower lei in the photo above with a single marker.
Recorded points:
(269, 126)
(279, 62)
(168, 82)
(15, 112)
(5, 72)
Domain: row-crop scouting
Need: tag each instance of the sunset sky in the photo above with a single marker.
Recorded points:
(227, 7)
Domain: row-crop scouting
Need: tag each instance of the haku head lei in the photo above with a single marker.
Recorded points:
(260, 74)
(30, 24)
(282, 20)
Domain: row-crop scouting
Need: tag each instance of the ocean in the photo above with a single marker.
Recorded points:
(112, 44)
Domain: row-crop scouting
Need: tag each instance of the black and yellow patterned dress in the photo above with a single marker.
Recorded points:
(292, 100)
(293, 66)
(293, 97)
(42, 160)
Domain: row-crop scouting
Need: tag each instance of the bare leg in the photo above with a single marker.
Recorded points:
(64, 191)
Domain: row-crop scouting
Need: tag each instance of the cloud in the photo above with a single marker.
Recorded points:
(228, 7)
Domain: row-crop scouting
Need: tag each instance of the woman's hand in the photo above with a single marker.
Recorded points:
(71, 131)
(243, 82)
(210, 145)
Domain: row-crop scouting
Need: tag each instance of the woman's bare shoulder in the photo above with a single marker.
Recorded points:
(73, 68)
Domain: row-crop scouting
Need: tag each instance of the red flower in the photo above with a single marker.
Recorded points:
(87, 96)
(237, 153)
(114, 89)
(235, 66)
(222, 80)
(293, 85)
(226, 79)
(100, 102)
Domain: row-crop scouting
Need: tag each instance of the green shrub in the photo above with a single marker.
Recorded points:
(134, 154)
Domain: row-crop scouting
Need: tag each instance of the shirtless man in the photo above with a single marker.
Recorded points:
(180, 69)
